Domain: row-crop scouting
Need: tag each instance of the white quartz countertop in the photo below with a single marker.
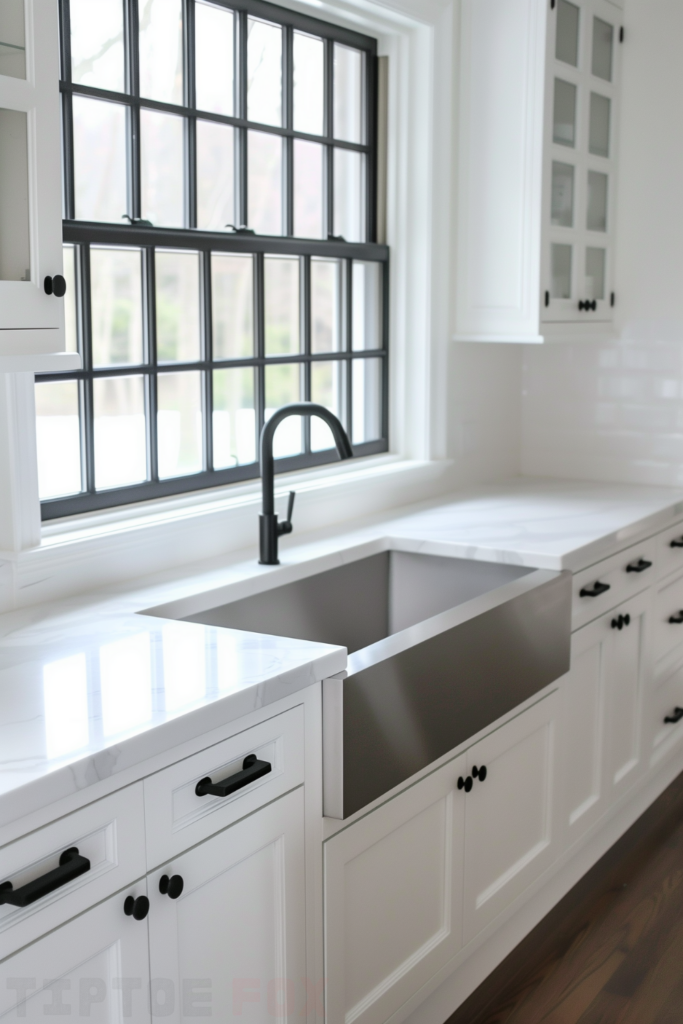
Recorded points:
(90, 688)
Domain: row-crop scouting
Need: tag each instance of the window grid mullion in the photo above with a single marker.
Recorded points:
(190, 124)
(347, 341)
(207, 375)
(132, 65)
(288, 122)
(151, 389)
(329, 133)
(86, 349)
(305, 264)
(241, 135)
(259, 341)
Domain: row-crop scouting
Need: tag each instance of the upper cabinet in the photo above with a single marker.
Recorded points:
(538, 145)
(32, 282)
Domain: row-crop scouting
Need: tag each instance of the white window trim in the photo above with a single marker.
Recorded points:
(86, 552)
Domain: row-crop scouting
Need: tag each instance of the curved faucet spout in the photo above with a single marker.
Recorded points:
(270, 529)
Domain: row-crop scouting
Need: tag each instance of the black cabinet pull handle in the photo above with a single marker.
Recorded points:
(618, 623)
(136, 908)
(71, 865)
(172, 886)
(465, 784)
(676, 717)
(640, 566)
(480, 773)
(252, 769)
(677, 543)
(676, 620)
(55, 286)
(596, 590)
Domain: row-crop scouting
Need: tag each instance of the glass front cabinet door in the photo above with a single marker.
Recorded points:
(582, 82)
(31, 267)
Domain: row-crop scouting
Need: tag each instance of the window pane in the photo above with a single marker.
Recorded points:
(281, 305)
(348, 195)
(567, 39)
(58, 437)
(561, 272)
(326, 389)
(213, 31)
(179, 423)
(348, 111)
(283, 386)
(177, 302)
(234, 417)
(598, 143)
(232, 295)
(215, 175)
(367, 400)
(309, 91)
(120, 445)
(562, 195)
(12, 39)
(597, 201)
(564, 113)
(264, 69)
(265, 183)
(97, 44)
(603, 40)
(161, 168)
(116, 290)
(15, 259)
(308, 189)
(161, 50)
(70, 298)
(595, 273)
(367, 306)
(99, 160)
(325, 305)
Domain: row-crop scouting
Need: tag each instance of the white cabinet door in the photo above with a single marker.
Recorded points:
(94, 967)
(232, 944)
(509, 828)
(393, 899)
(582, 783)
(31, 322)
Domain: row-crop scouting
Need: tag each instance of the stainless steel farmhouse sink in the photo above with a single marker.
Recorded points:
(439, 648)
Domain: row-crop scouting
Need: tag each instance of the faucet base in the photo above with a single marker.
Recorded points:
(268, 534)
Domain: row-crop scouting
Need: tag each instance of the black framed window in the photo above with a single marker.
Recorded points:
(219, 247)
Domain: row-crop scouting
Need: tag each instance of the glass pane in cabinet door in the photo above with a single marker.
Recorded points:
(309, 92)
(12, 39)
(58, 434)
(564, 113)
(179, 423)
(595, 273)
(567, 38)
(265, 183)
(562, 195)
(214, 60)
(603, 48)
(598, 133)
(596, 218)
(120, 434)
(264, 72)
(99, 160)
(97, 44)
(161, 50)
(15, 250)
(283, 386)
(561, 271)
(116, 299)
(215, 175)
(234, 417)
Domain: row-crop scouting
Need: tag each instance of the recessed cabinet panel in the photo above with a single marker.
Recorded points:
(627, 682)
(664, 715)
(509, 828)
(393, 885)
(668, 617)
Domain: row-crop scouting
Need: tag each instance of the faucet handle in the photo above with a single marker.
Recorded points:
(287, 527)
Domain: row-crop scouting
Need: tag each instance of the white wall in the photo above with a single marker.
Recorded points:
(615, 412)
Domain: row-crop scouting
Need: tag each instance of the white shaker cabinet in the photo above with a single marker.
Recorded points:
(539, 91)
(231, 943)
(96, 966)
(32, 334)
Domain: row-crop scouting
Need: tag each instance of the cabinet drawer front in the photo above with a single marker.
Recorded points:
(177, 818)
(668, 605)
(626, 574)
(96, 968)
(109, 833)
(670, 550)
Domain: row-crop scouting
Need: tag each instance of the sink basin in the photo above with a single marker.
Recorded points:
(439, 648)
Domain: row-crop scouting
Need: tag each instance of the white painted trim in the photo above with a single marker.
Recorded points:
(34, 363)
(19, 505)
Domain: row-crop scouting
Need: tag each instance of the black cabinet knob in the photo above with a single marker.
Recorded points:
(587, 306)
(627, 620)
(617, 623)
(676, 620)
(55, 286)
(172, 886)
(465, 784)
(480, 773)
(137, 908)
(678, 543)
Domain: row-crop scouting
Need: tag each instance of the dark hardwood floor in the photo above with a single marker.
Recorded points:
(611, 952)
